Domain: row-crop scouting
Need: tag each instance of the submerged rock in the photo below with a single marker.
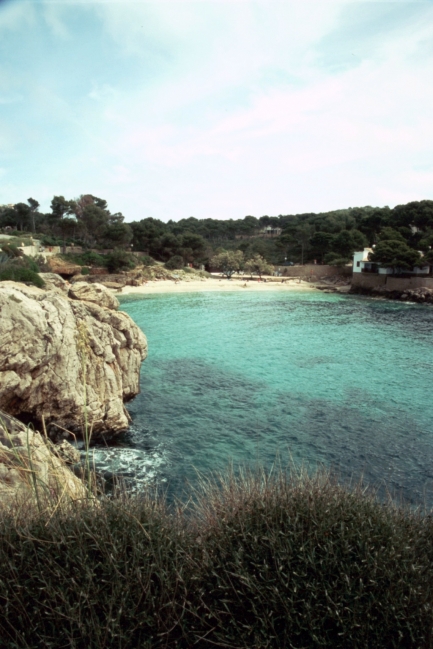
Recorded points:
(66, 361)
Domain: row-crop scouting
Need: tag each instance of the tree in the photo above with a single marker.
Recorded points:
(117, 235)
(145, 233)
(33, 209)
(193, 246)
(258, 266)
(303, 235)
(93, 215)
(347, 241)
(22, 216)
(390, 234)
(321, 243)
(228, 262)
(395, 254)
(60, 207)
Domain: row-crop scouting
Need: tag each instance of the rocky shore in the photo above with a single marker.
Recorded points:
(421, 295)
(67, 356)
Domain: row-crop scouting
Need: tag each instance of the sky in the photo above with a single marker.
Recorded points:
(217, 108)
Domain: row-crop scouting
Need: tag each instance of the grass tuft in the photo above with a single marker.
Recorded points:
(253, 561)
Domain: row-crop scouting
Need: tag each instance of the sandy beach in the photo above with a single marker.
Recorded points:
(215, 284)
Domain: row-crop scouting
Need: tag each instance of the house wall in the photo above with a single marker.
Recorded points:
(357, 257)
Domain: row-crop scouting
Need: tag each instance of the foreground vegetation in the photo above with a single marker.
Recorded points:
(254, 561)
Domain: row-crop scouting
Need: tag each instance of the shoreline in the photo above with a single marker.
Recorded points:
(212, 284)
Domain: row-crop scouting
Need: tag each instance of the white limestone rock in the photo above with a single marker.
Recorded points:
(95, 292)
(60, 358)
(31, 471)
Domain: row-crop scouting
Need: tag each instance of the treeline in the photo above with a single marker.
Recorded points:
(328, 237)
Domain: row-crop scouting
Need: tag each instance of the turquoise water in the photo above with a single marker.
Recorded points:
(322, 379)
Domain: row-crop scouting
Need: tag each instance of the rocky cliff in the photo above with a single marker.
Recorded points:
(66, 352)
(32, 470)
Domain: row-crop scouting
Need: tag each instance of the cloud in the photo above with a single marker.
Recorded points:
(222, 108)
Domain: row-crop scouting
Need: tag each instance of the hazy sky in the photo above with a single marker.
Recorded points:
(217, 108)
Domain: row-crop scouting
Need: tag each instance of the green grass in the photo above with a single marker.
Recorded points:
(254, 561)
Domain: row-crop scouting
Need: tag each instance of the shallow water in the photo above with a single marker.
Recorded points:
(245, 377)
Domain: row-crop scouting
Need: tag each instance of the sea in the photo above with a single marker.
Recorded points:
(280, 379)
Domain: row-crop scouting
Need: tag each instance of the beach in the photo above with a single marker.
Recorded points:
(216, 284)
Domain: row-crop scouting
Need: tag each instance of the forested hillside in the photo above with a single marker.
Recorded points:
(328, 237)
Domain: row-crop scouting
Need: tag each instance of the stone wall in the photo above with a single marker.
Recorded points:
(374, 280)
(314, 271)
(400, 284)
(368, 280)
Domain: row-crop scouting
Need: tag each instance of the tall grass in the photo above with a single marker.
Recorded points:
(254, 561)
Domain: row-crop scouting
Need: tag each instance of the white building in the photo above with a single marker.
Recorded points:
(361, 264)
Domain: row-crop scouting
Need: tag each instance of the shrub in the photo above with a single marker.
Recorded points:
(119, 260)
(48, 240)
(24, 275)
(30, 263)
(85, 270)
(175, 263)
(11, 250)
(258, 562)
(85, 259)
(145, 260)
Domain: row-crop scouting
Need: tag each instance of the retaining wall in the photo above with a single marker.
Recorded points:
(367, 280)
(373, 280)
(314, 270)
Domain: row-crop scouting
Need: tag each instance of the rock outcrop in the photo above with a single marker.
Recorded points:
(54, 282)
(66, 360)
(31, 470)
(422, 294)
(62, 267)
(95, 293)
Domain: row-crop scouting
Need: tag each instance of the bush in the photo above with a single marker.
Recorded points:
(30, 263)
(19, 274)
(145, 260)
(85, 259)
(48, 240)
(175, 263)
(85, 270)
(11, 250)
(258, 562)
(119, 260)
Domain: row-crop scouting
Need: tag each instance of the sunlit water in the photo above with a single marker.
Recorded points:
(246, 377)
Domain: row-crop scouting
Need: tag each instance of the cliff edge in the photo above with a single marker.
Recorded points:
(65, 352)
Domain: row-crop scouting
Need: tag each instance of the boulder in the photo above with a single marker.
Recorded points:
(54, 282)
(67, 361)
(96, 293)
(31, 470)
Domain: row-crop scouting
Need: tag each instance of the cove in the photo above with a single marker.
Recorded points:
(313, 378)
